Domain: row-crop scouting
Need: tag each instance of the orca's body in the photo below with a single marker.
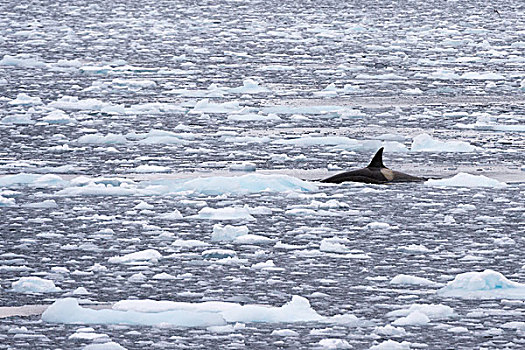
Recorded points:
(374, 173)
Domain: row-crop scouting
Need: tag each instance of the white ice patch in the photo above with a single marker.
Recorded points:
(58, 117)
(334, 245)
(18, 119)
(34, 285)
(243, 166)
(249, 86)
(252, 117)
(425, 143)
(342, 142)
(150, 169)
(34, 180)
(216, 185)
(6, 202)
(488, 284)
(485, 121)
(205, 106)
(467, 180)
(228, 232)
(73, 103)
(173, 215)
(49, 203)
(415, 318)
(22, 60)
(432, 311)
(250, 183)
(413, 280)
(152, 312)
(23, 99)
(233, 213)
(391, 345)
(334, 343)
(189, 243)
(390, 331)
(107, 139)
(150, 255)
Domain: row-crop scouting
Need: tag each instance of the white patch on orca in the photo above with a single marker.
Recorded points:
(387, 173)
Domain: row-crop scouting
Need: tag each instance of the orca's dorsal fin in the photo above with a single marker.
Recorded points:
(377, 161)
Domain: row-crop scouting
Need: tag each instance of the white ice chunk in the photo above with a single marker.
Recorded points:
(34, 285)
(228, 232)
(344, 143)
(23, 99)
(391, 345)
(102, 139)
(390, 331)
(189, 243)
(173, 215)
(433, 311)
(150, 169)
(48, 203)
(205, 106)
(73, 103)
(249, 86)
(415, 318)
(425, 143)
(151, 255)
(58, 117)
(488, 284)
(232, 213)
(285, 333)
(104, 346)
(413, 280)
(467, 180)
(334, 343)
(151, 312)
(334, 245)
(253, 239)
(6, 202)
(22, 60)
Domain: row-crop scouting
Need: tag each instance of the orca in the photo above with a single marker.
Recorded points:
(374, 173)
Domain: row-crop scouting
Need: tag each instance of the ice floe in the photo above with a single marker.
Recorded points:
(228, 232)
(148, 255)
(205, 314)
(34, 285)
(232, 213)
(488, 284)
(216, 185)
(425, 143)
(467, 180)
(403, 279)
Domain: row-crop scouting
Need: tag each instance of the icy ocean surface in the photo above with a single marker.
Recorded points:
(158, 163)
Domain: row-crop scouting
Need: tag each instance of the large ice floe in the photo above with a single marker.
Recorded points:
(215, 185)
(488, 284)
(182, 314)
(425, 143)
(467, 180)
